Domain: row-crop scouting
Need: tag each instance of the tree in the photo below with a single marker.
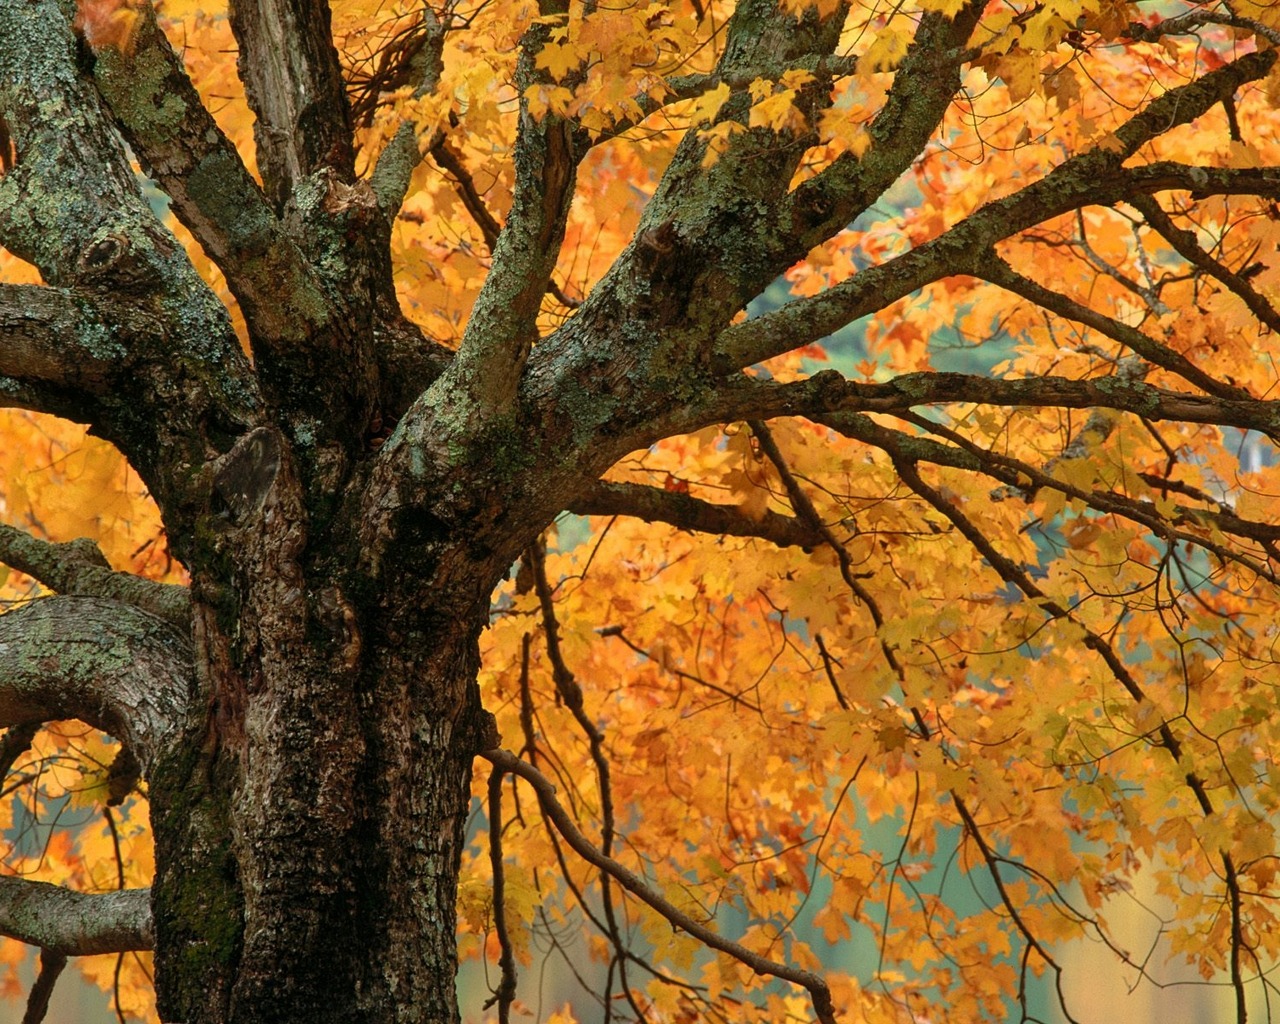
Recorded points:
(1001, 589)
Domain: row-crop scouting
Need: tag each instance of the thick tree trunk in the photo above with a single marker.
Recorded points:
(308, 867)
(309, 830)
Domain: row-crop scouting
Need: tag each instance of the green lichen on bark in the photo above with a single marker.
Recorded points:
(196, 900)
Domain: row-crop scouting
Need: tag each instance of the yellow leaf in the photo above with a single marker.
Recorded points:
(559, 59)
(887, 49)
(707, 106)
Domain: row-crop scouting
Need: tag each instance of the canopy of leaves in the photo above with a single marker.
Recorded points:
(908, 700)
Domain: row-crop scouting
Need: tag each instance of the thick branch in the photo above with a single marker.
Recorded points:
(75, 923)
(212, 193)
(1091, 178)
(102, 662)
(629, 880)
(78, 568)
(689, 513)
(294, 85)
(503, 322)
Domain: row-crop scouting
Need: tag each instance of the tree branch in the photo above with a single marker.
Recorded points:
(923, 87)
(828, 391)
(1021, 476)
(115, 667)
(73, 206)
(1094, 177)
(56, 340)
(75, 923)
(294, 86)
(212, 193)
(394, 169)
(51, 967)
(686, 512)
(998, 272)
(1186, 245)
(506, 761)
(78, 568)
(503, 322)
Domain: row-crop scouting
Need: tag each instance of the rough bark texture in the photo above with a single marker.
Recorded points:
(307, 716)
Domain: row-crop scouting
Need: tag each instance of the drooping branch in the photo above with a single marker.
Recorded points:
(1188, 247)
(294, 86)
(110, 665)
(1093, 177)
(78, 568)
(604, 498)
(74, 923)
(633, 883)
(1019, 476)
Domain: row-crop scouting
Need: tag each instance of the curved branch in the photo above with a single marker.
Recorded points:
(686, 512)
(506, 761)
(115, 667)
(79, 568)
(73, 206)
(75, 923)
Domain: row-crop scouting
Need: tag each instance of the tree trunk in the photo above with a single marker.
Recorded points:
(310, 825)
